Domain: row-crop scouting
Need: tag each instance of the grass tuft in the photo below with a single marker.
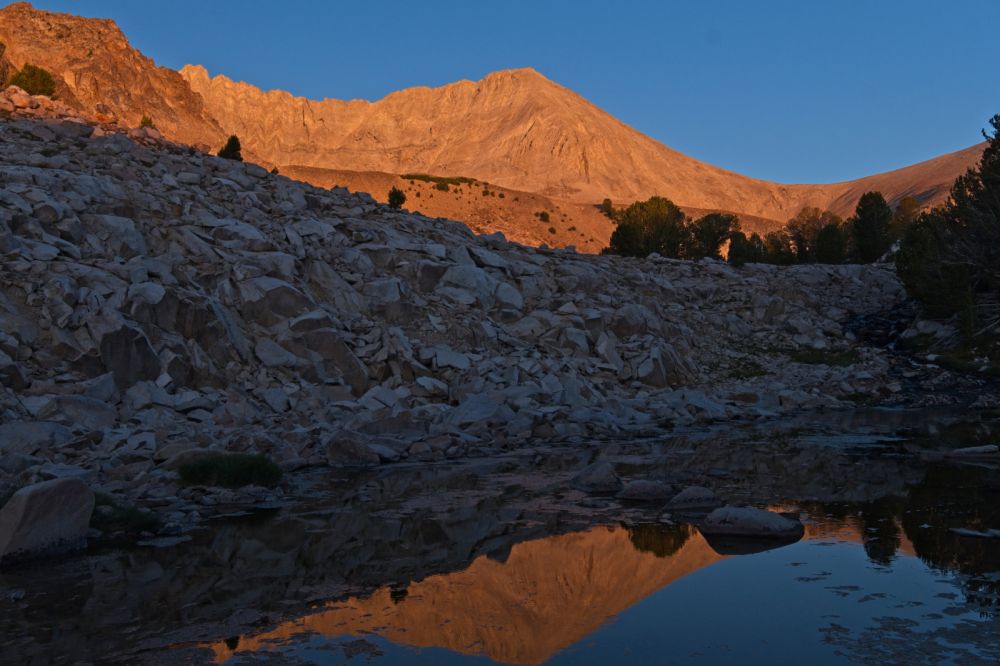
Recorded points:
(128, 519)
(230, 470)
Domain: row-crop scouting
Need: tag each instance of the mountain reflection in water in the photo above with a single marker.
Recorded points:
(502, 559)
(547, 595)
(552, 593)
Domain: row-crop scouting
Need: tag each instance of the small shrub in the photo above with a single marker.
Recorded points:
(230, 470)
(232, 149)
(837, 357)
(34, 81)
(543, 216)
(552, 230)
(500, 195)
(146, 122)
(396, 198)
(442, 186)
(607, 208)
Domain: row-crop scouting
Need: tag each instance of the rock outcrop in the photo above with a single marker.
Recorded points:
(47, 518)
(736, 521)
(99, 73)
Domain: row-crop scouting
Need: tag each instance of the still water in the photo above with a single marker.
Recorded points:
(501, 561)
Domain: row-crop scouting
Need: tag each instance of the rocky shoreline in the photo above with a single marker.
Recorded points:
(157, 303)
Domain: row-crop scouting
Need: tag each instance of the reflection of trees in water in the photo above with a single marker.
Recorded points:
(958, 496)
(880, 530)
(660, 540)
(948, 496)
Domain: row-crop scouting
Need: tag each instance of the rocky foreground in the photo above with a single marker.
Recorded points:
(157, 302)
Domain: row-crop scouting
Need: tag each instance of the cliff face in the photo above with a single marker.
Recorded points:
(97, 70)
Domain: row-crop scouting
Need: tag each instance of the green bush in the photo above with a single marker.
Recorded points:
(442, 186)
(710, 233)
(804, 229)
(230, 470)
(779, 248)
(146, 122)
(232, 150)
(655, 225)
(396, 198)
(743, 250)
(543, 215)
(34, 81)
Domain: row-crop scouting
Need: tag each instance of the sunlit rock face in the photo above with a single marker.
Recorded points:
(98, 71)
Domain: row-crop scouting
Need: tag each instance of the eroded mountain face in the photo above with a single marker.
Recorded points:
(98, 71)
(513, 128)
(520, 130)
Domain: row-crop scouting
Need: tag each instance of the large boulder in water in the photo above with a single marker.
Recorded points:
(48, 518)
(750, 522)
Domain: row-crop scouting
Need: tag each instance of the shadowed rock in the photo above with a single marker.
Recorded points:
(47, 518)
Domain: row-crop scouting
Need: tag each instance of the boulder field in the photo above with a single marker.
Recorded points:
(155, 300)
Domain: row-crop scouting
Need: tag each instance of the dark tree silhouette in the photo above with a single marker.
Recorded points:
(870, 224)
(396, 198)
(710, 233)
(950, 257)
(231, 151)
(831, 244)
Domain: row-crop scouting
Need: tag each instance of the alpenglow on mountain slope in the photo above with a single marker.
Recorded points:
(520, 130)
(513, 128)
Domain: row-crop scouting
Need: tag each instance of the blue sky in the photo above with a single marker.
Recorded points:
(793, 91)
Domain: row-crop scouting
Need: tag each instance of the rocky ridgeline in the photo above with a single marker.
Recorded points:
(156, 302)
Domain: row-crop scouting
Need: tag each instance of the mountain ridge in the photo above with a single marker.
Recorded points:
(513, 128)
